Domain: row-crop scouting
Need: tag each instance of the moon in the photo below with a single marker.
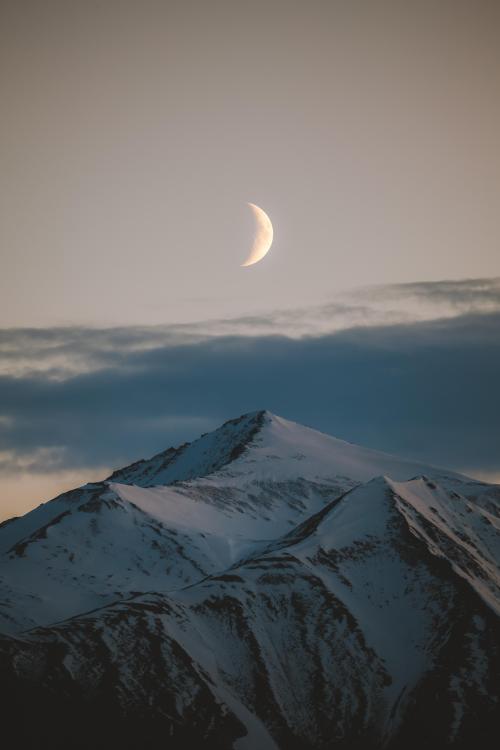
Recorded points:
(263, 236)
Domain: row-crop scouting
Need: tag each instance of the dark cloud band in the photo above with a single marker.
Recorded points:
(427, 390)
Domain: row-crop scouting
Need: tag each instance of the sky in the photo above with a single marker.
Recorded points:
(132, 136)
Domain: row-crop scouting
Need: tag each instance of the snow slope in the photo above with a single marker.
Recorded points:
(169, 521)
(266, 586)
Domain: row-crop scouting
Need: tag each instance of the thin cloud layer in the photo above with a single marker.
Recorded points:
(68, 351)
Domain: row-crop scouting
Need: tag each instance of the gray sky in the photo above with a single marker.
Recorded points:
(133, 133)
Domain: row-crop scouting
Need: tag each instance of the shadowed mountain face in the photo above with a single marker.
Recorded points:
(265, 586)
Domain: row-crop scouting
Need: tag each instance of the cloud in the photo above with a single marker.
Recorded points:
(464, 295)
(426, 389)
(64, 352)
(40, 460)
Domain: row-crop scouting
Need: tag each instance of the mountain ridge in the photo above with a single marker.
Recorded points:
(303, 593)
(158, 465)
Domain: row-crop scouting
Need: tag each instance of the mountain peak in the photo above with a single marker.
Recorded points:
(205, 455)
(281, 447)
(288, 587)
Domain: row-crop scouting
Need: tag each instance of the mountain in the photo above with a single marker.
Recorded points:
(266, 586)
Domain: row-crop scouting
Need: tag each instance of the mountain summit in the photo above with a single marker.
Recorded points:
(263, 586)
(276, 444)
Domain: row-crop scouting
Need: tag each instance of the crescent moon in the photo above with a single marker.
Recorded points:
(263, 236)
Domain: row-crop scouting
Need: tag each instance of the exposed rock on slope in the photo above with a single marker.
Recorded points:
(262, 587)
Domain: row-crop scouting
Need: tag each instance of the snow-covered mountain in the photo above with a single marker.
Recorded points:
(266, 586)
